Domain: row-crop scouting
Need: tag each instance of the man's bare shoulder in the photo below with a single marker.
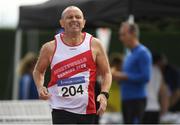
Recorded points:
(48, 46)
(96, 42)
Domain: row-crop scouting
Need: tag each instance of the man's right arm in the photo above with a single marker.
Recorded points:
(40, 68)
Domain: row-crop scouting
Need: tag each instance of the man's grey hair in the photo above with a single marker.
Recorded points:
(133, 28)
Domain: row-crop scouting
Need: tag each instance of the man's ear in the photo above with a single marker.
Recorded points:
(84, 23)
(61, 22)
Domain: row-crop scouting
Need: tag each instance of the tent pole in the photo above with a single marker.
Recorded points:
(17, 55)
(33, 40)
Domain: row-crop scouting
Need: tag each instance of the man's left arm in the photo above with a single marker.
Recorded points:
(104, 70)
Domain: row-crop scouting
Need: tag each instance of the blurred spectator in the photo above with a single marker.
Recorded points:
(171, 75)
(136, 70)
(116, 60)
(27, 88)
(114, 104)
(156, 88)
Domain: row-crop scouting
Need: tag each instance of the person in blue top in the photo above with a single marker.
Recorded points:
(27, 88)
(135, 74)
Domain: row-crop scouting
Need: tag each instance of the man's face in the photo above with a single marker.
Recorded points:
(73, 20)
(124, 35)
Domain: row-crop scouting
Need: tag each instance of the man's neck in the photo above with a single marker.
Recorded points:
(135, 43)
(73, 39)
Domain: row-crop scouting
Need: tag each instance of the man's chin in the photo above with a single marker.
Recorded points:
(75, 30)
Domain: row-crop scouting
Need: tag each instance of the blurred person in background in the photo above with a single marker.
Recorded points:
(158, 98)
(116, 60)
(171, 76)
(135, 75)
(114, 104)
(74, 57)
(27, 87)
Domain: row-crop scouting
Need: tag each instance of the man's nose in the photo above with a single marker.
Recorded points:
(74, 18)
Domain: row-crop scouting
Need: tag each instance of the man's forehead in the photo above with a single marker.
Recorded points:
(124, 26)
(71, 9)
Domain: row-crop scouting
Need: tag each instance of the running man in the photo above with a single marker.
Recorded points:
(74, 57)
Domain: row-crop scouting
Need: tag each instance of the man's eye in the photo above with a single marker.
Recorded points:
(78, 17)
(70, 17)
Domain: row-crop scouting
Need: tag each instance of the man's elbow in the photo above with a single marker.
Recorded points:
(109, 75)
(34, 72)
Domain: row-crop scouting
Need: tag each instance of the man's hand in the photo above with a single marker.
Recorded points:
(103, 104)
(43, 93)
(118, 75)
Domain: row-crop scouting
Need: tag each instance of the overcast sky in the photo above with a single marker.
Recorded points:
(9, 11)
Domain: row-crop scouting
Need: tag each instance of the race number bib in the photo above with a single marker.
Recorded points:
(71, 86)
